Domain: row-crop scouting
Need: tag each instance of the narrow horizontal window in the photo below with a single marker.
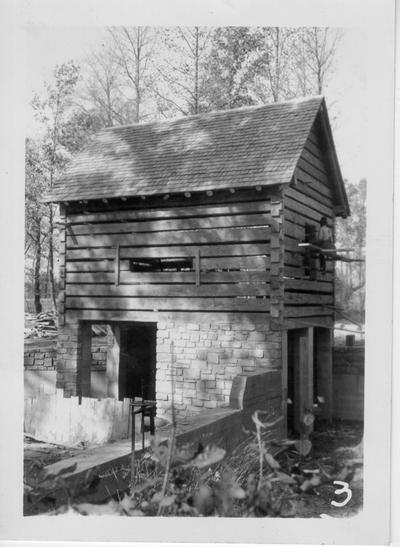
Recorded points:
(184, 264)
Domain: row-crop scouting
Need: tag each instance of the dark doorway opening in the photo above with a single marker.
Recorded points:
(137, 367)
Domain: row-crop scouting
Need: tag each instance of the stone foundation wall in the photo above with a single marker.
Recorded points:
(206, 356)
(42, 354)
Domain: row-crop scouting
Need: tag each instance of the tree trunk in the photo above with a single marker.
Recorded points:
(36, 271)
(51, 261)
(196, 73)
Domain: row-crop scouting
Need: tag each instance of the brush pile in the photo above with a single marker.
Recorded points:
(42, 325)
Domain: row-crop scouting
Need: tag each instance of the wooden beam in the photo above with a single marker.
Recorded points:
(284, 381)
(112, 364)
(85, 360)
(117, 265)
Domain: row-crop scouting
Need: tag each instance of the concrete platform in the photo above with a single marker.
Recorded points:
(108, 465)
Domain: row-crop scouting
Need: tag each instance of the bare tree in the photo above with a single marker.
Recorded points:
(315, 52)
(133, 49)
(181, 71)
(103, 87)
(51, 112)
(274, 63)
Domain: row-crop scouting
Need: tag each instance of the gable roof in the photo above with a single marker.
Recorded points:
(245, 147)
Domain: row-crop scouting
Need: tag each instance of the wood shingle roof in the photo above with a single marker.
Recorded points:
(246, 147)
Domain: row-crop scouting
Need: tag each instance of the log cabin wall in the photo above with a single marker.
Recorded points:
(306, 200)
(185, 255)
(201, 268)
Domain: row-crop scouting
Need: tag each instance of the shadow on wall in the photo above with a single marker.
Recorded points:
(39, 381)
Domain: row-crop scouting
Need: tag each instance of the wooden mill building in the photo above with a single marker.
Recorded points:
(183, 236)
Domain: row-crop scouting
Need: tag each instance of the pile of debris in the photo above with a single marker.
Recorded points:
(42, 325)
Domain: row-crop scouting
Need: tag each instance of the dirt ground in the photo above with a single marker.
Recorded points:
(334, 454)
(38, 454)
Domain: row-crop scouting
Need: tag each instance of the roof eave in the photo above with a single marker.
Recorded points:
(342, 208)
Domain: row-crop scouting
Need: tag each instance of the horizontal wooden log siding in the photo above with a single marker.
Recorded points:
(305, 203)
(233, 240)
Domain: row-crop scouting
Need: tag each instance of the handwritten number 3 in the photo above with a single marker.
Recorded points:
(344, 490)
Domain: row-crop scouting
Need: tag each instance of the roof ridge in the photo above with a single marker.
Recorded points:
(298, 100)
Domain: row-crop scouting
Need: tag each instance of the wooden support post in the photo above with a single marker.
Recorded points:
(117, 265)
(112, 366)
(277, 264)
(284, 382)
(85, 362)
(303, 377)
(324, 371)
(62, 267)
(309, 399)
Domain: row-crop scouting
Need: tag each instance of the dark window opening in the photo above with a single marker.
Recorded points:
(162, 264)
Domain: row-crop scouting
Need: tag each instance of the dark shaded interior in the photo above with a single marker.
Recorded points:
(138, 361)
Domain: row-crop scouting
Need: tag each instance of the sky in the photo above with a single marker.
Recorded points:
(346, 91)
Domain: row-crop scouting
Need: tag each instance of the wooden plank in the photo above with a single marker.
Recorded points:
(298, 273)
(314, 173)
(314, 142)
(306, 311)
(169, 277)
(316, 321)
(85, 361)
(198, 223)
(297, 218)
(188, 210)
(95, 266)
(309, 396)
(294, 230)
(307, 298)
(302, 379)
(306, 285)
(228, 250)
(284, 403)
(169, 290)
(314, 161)
(306, 206)
(235, 262)
(314, 189)
(225, 262)
(294, 259)
(170, 238)
(208, 304)
(248, 317)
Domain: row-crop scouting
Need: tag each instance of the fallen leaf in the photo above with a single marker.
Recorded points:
(303, 446)
(271, 461)
(209, 456)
